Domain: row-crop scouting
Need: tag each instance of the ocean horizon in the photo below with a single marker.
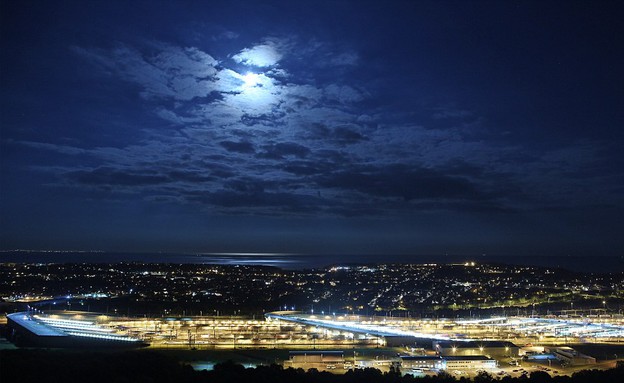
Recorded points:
(594, 264)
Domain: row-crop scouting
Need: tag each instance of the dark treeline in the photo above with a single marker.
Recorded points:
(148, 366)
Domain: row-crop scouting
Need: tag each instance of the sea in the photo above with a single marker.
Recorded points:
(590, 263)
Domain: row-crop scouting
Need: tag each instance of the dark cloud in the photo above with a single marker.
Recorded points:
(306, 168)
(341, 134)
(188, 176)
(257, 201)
(113, 177)
(403, 182)
(222, 173)
(264, 119)
(284, 149)
(248, 185)
(239, 147)
(149, 177)
(458, 167)
(346, 134)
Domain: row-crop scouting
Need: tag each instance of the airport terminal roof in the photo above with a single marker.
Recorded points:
(37, 328)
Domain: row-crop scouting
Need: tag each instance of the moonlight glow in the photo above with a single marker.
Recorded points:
(251, 79)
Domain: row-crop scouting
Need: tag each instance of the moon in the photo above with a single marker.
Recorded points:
(251, 79)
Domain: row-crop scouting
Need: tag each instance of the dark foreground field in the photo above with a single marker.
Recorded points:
(29, 365)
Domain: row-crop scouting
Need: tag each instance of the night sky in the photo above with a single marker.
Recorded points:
(329, 127)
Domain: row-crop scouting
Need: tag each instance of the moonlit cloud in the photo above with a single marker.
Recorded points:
(342, 93)
(263, 137)
(226, 35)
(263, 55)
(181, 73)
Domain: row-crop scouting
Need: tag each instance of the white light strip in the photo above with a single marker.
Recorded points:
(77, 322)
(84, 328)
(72, 324)
(107, 337)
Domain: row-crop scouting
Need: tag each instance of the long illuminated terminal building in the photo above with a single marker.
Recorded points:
(30, 329)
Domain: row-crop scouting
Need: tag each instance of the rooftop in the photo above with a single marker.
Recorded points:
(37, 328)
(468, 357)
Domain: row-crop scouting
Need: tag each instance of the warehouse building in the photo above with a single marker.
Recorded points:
(428, 362)
(492, 349)
(423, 362)
(570, 356)
(469, 362)
(321, 360)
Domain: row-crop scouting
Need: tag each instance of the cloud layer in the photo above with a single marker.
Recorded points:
(252, 132)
